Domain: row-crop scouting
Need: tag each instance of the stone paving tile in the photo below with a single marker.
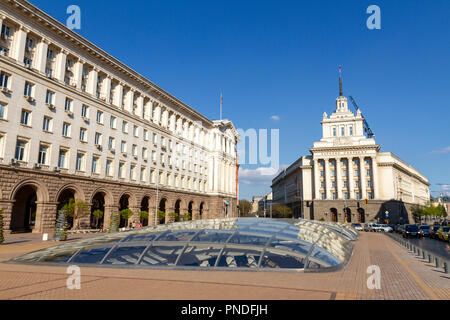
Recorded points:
(403, 277)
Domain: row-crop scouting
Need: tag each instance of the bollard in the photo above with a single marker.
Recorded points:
(438, 263)
(414, 249)
(419, 252)
(424, 254)
(446, 267)
(430, 258)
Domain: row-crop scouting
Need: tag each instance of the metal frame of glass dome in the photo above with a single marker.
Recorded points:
(220, 244)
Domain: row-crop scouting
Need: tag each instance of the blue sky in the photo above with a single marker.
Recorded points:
(281, 58)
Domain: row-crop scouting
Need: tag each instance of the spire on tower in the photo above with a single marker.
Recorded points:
(341, 92)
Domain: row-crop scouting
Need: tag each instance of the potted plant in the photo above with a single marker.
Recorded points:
(98, 214)
(126, 214)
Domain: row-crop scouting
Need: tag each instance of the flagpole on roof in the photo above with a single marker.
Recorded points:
(221, 105)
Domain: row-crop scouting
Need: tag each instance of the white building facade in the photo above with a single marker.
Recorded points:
(76, 122)
(346, 178)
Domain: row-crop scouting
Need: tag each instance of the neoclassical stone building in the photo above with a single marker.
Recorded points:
(76, 123)
(347, 179)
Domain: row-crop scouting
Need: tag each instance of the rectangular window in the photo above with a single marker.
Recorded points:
(144, 153)
(153, 155)
(66, 130)
(4, 80)
(350, 131)
(68, 105)
(49, 98)
(6, 32)
(358, 196)
(98, 138)
(111, 143)
(109, 171)
(323, 196)
(123, 147)
(62, 159)
(143, 173)
(347, 196)
(2, 145)
(121, 169)
(83, 135)
(80, 162)
(99, 117)
(132, 172)
(2, 111)
(47, 124)
(84, 111)
(43, 150)
(112, 122)
(334, 196)
(145, 135)
(95, 165)
(155, 138)
(334, 132)
(342, 131)
(134, 150)
(20, 150)
(125, 127)
(25, 118)
(28, 91)
(135, 131)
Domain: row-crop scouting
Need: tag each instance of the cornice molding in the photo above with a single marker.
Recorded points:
(61, 30)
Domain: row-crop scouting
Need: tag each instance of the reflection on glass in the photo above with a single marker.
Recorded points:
(124, 255)
(159, 255)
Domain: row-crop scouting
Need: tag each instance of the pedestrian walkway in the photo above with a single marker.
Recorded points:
(403, 276)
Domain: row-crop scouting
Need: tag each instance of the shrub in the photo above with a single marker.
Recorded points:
(126, 214)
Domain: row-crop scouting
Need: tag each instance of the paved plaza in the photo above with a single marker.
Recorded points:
(403, 277)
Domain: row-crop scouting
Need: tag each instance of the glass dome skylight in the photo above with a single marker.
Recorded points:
(220, 244)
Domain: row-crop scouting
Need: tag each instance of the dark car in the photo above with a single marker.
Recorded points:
(411, 230)
(400, 228)
(433, 231)
(424, 230)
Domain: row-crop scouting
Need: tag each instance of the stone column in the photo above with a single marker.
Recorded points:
(339, 183)
(78, 73)
(316, 180)
(61, 65)
(351, 179)
(40, 60)
(118, 95)
(46, 213)
(375, 186)
(140, 107)
(7, 207)
(328, 179)
(19, 44)
(92, 82)
(107, 89)
(362, 166)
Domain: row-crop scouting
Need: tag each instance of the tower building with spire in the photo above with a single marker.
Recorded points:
(347, 178)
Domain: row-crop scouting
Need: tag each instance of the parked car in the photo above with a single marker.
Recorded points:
(433, 231)
(366, 227)
(424, 230)
(411, 230)
(386, 228)
(400, 228)
(357, 226)
(443, 233)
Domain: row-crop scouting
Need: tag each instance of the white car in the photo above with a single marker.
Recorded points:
(357, 226)
(386, 228)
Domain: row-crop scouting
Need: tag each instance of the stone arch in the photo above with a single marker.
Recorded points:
(132, 202)
(333, 215)
(109, 198)
(125, 202)
(361, 215)
(29, 206)
(78, 191)
(348, 215)
(41, 190)
(145, 206)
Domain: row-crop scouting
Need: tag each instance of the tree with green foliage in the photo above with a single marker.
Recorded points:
(187, 216)
(245, 208)
(161, 217)
(76, 210)
(98, 214)
(281, 211)
(126, 214)
(143, 215)
(175, 216)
